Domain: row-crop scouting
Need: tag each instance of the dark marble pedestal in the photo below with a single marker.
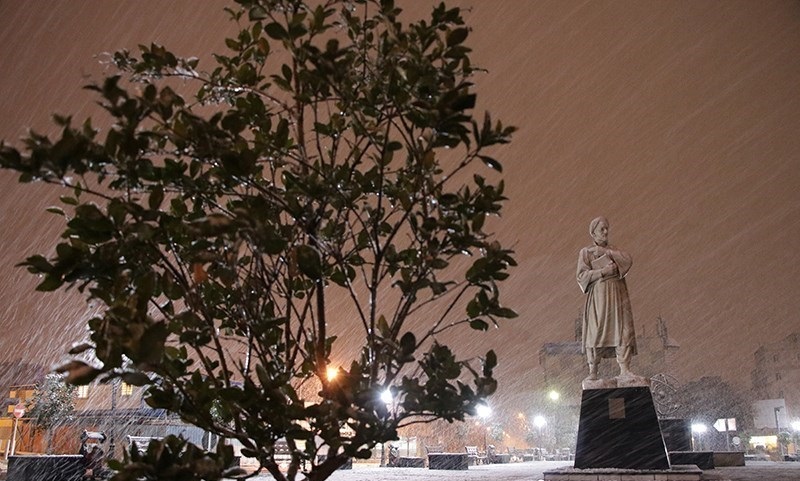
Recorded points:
(448, 461)
(619, 429)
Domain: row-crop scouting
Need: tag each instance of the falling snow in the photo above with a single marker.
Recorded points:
(676, 121)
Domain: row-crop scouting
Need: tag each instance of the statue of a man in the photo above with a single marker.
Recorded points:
(607, 316)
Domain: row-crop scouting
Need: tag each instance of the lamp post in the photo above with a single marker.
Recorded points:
(698, 428)
(484, 411)
(539, 422)
(778, 431)
(386, 398)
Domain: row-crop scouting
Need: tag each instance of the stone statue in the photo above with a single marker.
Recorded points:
(607, 316)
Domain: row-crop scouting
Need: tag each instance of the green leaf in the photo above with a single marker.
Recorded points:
(68, 200)
(457, 36)
(276, 31)
(37, 264)
(156, 197)
(408, 343)
(135, 378)
(383, 326)
(490, 361)
(479, 325)
(50, 283)
(491, 163)
(308, 261)
(504, 312)
(56, 210)
(256, 13)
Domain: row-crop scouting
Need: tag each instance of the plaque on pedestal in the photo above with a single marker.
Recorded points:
(619, 429)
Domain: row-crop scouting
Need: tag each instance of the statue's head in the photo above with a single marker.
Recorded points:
(598, 229)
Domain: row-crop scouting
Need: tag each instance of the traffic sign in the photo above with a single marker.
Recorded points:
(19, 410)
(725, 424)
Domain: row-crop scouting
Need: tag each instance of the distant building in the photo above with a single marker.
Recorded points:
(116, 409)
(776, 378)
(564, 365)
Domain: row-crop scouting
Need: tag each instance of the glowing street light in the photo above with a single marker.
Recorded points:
(554, 395)
(331, 373)
(700, 429)
(484, 411)
(386, 398)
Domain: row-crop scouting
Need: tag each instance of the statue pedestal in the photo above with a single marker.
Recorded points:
(619, 429)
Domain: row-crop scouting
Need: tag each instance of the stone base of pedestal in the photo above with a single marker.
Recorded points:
(410, 462)
(701, 459)
(619, 429)
(458, 461)
(676, 473)
(731, 458)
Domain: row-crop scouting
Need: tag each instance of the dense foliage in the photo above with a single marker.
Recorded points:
(329, 154)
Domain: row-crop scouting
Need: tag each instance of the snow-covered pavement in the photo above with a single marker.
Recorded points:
(532, 471)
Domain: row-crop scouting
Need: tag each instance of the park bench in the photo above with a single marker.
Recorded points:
(517, 455)
(529, 455)
(438, 459)
(565, 454)
(140, 443)
(474, 456)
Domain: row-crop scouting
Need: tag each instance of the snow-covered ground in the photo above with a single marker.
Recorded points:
(532, 471)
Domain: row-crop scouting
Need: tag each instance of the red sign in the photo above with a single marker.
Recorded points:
(19, 410)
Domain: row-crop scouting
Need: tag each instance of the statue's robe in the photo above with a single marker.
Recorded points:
(607, 315)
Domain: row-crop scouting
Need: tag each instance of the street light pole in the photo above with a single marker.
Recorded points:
(484, 411)
(778, 432)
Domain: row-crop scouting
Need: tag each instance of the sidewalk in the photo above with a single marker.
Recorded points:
(532, 471)
(756, 471)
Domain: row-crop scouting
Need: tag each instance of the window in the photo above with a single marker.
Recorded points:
(126, 389)
(83, 392)
(777, 376)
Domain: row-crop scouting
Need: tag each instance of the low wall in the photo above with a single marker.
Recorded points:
(458, 461)
(702, 459)
(67, 467)
(728, 458)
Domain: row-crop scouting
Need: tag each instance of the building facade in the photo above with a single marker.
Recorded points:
(776, 378)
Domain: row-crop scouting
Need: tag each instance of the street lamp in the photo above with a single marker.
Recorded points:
(778, 431)
(698, 428)
(484, 411)
(386, 398)
(540, 422)
(554, 395)
(331, 373)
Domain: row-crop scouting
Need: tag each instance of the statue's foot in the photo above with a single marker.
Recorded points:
(627, 378)
(597, 383)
